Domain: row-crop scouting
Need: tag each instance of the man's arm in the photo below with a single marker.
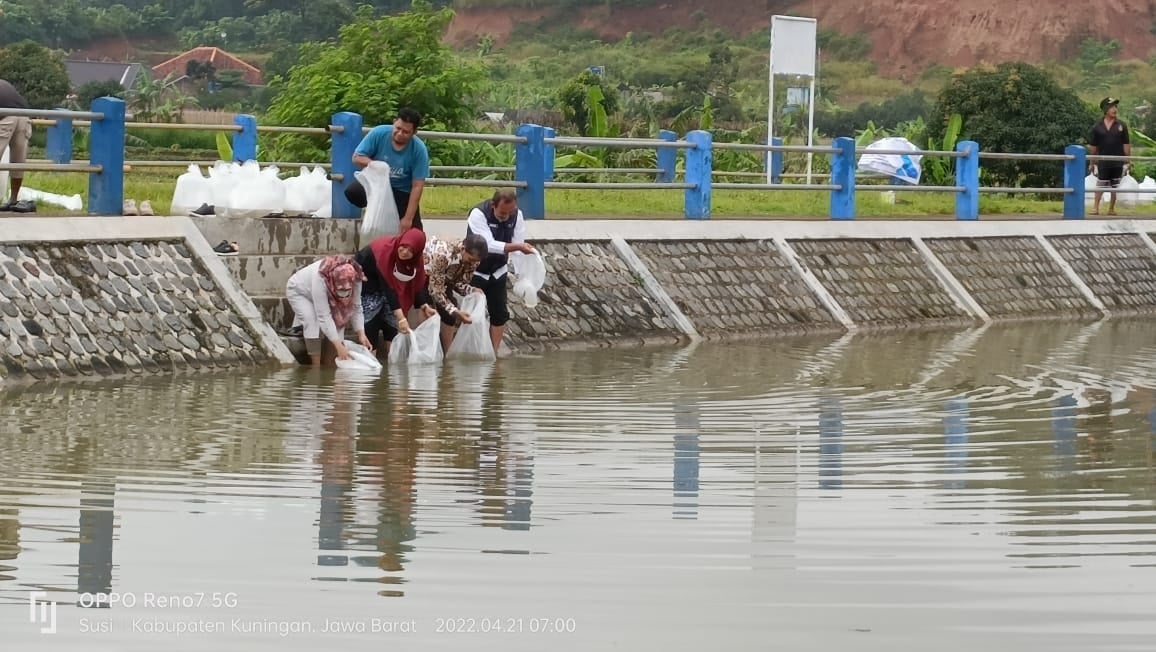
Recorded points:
(367, 148)
(437, 283)
(477, 224)
(414, 203)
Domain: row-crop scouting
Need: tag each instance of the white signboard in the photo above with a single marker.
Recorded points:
(794, 52)
(793, 44)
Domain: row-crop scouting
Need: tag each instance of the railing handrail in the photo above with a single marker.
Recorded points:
(535, 169)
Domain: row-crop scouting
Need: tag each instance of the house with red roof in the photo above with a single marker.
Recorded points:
(220, 59)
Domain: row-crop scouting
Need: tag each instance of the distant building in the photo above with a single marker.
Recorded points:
(83, 72)
(220, 59)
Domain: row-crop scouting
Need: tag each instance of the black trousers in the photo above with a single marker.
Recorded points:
(355, 193)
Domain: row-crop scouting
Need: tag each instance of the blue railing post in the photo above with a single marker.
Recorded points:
(1075, 171)
(699, 160)
(667, 157)
(548, 157)
(530, 167)
(106, 149)
(342, 147)
(967, 175)
(245, 140)
(843, 175)
(776, 161)
(58, 149)
(830, 442)
(955, 438)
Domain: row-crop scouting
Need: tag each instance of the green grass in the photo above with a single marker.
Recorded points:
(157, 187)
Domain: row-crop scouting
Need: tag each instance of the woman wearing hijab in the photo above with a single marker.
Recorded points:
(395, 284)
(326, 298)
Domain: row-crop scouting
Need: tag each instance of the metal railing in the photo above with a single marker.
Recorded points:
(535, 172)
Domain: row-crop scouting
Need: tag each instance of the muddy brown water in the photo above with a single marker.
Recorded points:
(903, 491)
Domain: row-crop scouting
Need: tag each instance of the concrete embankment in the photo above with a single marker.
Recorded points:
(610, 282)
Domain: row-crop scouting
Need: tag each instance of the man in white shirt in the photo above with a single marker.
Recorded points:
(499, 221)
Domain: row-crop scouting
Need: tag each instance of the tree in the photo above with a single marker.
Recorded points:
(573, 100)
(94, 89)
(37, 72)
(376, 66)
(1014, 107)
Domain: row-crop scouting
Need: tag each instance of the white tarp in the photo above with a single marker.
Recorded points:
(904, 167)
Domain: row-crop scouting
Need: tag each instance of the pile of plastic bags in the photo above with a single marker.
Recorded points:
(247, 190)
(1126, 196)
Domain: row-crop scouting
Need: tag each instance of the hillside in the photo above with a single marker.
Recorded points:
(906, 37)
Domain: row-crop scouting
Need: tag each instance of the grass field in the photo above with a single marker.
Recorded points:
(157, 187)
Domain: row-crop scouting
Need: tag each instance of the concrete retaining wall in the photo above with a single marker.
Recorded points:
(98, 297)
(86, 296)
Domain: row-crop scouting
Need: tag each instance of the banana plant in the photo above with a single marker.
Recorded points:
(940, 170)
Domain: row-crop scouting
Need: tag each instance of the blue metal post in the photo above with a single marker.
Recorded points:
(1065, 434)
(342, 147)
(245, 140)
(530, 167)
(1075, 171)
(830, 443)
(58, 149)
(667, 157)
(843, 175)
(548, 157)
(687, 454)
(955, 438)
(699, 160)
(776, 159)
(106, 149)
(967, 175)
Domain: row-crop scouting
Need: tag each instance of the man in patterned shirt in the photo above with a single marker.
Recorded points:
(450, 266)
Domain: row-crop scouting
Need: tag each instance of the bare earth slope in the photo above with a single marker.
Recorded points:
(907, 36)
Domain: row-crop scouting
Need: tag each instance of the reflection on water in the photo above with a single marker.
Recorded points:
(887, 491)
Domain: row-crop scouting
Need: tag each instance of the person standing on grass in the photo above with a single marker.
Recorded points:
(408, 161)
(503, 226)
(1109, 137)
(14, 134)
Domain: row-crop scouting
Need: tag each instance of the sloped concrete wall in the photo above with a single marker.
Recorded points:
(104, 296)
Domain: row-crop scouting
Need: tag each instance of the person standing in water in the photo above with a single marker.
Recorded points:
(326, 299)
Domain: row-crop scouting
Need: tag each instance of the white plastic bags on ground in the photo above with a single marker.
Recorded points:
(255, 192)
(308, 192)
(472, 341)
(530, 276)
(192, 190)
(904, 167)
(421, 345)
(361, 359)
(381, 217)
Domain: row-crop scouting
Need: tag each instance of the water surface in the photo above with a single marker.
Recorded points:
(899, 491)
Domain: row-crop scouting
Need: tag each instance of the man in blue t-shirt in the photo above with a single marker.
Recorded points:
(408, 161)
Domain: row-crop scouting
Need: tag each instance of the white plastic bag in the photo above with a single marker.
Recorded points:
(257, 192)
(68, 202)
(1147, 184)
(381, 217)
(530, 277)
(222, 178)
(361, 359)
(473, 340)
(421, 345)
(1128, 195)
(192, 190)
(296, 189)
(904, 167)
(1090, 190)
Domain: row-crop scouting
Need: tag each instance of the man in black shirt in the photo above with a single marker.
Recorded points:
(1109, 137)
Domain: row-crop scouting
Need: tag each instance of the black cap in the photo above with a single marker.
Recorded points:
(1107, 102)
